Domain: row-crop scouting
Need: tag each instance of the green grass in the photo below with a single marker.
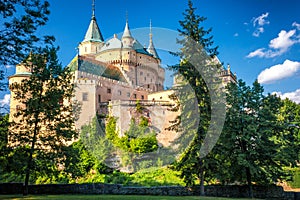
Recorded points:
(113, 197)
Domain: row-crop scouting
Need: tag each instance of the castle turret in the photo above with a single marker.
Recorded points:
(93, 39)
(151, 49)
(127, 38)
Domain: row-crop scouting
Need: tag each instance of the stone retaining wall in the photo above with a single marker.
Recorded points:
(262, 192)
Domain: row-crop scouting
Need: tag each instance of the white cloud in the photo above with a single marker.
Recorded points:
(296, 25)
(278, 72)
(283, 41)
(5, 101)
(277, 46)
(259, 53)
(261, 20)
(258, 23)
(236, 35)
(294, 96)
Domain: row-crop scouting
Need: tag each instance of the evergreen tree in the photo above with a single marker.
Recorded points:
(250, 142)
(44, 122)
(197, 70)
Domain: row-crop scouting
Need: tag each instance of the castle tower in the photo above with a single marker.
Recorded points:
(93, 40)
(23, 71)
(151, 49)
(127, 38)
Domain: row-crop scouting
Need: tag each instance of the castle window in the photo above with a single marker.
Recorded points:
(99, 98)
(120, 92)
(141, 73)
(142, 97)
(128, 94)
(85, 49)
(145, 78)
(134, 96)
(108, 90)
(148, 86)
(84, 96)
(147, 74)
(18, 108)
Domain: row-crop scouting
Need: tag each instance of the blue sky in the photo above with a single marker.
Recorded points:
(260, 39)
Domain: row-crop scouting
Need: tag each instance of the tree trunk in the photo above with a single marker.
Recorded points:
(201, 176)
(248, 174)
(29, 162)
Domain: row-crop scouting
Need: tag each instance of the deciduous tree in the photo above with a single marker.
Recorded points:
(44, 123)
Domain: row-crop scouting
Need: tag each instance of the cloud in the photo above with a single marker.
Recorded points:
(296, 25)
(258, 23)
(261, 20)
(277, 46)
(294, 96)
(5, 101)
(278, 72)
(236, 35)
(283, 41)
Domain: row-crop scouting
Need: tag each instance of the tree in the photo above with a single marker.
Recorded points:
(19, 22)
(251, 141)
(17, 33)
(289, 119)
(198, 69)
(3, 140)
(44, 122)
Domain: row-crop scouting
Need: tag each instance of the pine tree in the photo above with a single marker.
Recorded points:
(44, 123)
(198, 71)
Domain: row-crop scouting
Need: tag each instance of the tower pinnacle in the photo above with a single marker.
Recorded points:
(93, 33)
(151, 49)
(93, 9)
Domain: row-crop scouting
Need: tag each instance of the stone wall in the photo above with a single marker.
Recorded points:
(262, 192)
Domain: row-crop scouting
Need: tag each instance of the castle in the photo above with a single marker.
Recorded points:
(117, 72)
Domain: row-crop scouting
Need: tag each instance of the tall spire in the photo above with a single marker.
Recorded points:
(93, 33)
(127, 32)
(93, 10)
(151, 49)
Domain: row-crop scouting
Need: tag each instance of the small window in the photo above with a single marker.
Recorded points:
(120, 92)
(108, 90)
(84, 96)
(128, 94)
(141, 73)
(142, 97)
(134, 96)
(99, 98)
(18, 108)
(145, 78)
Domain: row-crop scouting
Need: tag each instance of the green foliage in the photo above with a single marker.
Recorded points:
(251, 142)
(3, 140)
(78, 161)
(137, 139)
(196, 70)
(45, 120)
(296, 178)
(19, 23)
(155, 177)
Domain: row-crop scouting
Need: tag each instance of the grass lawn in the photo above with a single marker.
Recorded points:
(113, 197)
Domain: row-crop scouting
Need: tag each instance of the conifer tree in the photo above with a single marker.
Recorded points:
(44, 122)
(197, 68)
